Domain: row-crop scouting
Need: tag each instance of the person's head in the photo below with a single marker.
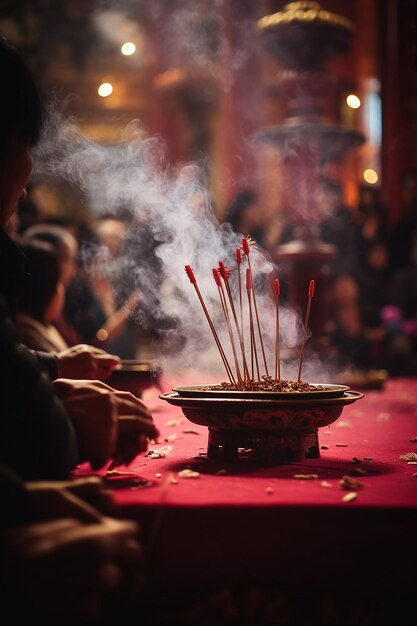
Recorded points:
(20, 127)
(43, 296)
(330, 196)
(111, 231)
(243, 212)
(64, 243)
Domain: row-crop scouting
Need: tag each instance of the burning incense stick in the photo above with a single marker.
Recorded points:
(238, 263)
(246, 250)
(225, 273)
(253, 353)
(193, 281)
(222, 296)
(277, 351)
(310, 296)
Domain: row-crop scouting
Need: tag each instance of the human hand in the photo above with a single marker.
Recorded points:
(86, 362)
(67, 570)
(107, 422)
(114, 325)
(84, 498)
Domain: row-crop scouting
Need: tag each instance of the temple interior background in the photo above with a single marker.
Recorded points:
(313, 116)
(200, 78)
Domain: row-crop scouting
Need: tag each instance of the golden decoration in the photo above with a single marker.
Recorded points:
(304, 12)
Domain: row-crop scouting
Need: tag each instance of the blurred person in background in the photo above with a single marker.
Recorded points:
(401, 242)
(41, 302)
(358, 341)
(245, 215)
(400, 315)
(66, 247)
(92, 305)
(371, 214)
(337, 226)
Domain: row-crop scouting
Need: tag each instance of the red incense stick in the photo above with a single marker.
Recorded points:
(225, 273)
(277, 351)
(193, 281)
(218, 282)
(253, 353)
(238, 263)
(310, 296)
(246, 250)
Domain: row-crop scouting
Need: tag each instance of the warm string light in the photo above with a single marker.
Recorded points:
(221, 275)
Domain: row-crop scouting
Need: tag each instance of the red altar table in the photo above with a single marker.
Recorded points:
(291, 523)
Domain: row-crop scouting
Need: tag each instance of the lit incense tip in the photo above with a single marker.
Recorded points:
(238, 256)
(311, 289)
(276, 287)
(222, 269)
(246, 247)
(190, 274)
(217, 277)
(249, 284)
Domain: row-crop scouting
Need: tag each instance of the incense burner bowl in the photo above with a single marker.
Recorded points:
(275, 427)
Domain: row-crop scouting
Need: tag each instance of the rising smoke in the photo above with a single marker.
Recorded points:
(172, 206)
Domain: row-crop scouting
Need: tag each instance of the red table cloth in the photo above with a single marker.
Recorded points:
(242, 521)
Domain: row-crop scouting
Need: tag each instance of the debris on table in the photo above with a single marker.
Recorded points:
(188, 473)
(158, 454)
(325, 483)
(348, 482)
(348, 497)
(171, 438)
(269, 490)
(305, 476)
(175, 422)
(344, 424)
(360, 471)
(410, 456)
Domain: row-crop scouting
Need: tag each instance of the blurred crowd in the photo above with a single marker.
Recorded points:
(372, 280)
(88, 285)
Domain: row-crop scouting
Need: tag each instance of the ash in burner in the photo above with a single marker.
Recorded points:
(267, 384)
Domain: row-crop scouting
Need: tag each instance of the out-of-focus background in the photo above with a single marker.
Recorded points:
(203, 76)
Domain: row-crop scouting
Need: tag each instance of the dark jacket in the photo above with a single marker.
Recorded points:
(37, 438)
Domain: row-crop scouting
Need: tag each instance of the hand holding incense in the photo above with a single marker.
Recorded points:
(310, 296)
(277, 350)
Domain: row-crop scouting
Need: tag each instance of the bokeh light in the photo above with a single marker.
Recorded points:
(105, 89)
(128, 48)
(353, 101)
(370, 176)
